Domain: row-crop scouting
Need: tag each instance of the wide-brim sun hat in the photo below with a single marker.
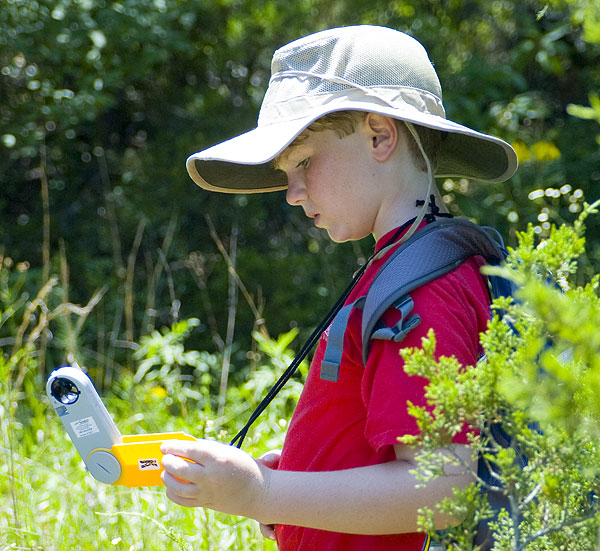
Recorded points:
(365, 68)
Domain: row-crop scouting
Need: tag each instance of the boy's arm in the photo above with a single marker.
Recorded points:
(377, 499)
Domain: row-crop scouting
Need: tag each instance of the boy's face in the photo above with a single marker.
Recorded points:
(332, 179)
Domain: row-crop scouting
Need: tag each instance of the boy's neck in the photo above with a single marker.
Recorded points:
(401, 205)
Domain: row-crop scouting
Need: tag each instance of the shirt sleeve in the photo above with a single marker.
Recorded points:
(456, 307)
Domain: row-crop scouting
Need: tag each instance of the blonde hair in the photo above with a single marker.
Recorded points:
(344, 123)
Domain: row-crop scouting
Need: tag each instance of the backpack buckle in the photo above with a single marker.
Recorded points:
(406, 324)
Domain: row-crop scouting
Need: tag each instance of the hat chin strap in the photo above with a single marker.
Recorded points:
(423, 210)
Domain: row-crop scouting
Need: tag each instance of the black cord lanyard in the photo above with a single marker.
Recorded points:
(311, 341)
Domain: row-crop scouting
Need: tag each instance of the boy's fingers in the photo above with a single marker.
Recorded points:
(179, 486)
(200, 451)
(180, 468)
(267, 530)
(179, 500)
(182, 448)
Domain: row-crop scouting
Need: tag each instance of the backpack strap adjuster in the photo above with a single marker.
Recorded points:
(406, 324)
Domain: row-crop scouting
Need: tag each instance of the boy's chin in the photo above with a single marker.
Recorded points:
(335, 237)
(338, 237)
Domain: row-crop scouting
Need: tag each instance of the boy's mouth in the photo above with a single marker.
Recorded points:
(311, 214)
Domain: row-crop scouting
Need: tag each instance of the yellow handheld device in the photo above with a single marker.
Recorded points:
(108, 456)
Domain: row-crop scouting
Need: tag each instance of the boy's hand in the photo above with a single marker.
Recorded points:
(270, 460)
(204, 473)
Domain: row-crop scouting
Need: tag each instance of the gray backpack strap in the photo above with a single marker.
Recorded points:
(430, 253)
(330, 365)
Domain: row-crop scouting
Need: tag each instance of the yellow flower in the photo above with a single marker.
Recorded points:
(522, 151)
(545, 151)
(159, 392)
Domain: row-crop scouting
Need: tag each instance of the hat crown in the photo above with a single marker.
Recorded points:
(337, 60)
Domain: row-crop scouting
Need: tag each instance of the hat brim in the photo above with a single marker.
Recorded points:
(244, 164)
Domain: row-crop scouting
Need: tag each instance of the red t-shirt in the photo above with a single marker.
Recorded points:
(356, 421)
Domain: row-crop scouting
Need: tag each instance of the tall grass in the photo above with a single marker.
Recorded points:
(48, 500)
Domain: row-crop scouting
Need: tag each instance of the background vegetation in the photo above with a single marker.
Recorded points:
(109, 251)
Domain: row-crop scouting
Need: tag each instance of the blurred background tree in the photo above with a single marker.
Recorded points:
(102, 101)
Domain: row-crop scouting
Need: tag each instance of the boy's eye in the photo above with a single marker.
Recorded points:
(304, 163)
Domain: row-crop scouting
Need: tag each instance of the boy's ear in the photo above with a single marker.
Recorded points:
(383, 133)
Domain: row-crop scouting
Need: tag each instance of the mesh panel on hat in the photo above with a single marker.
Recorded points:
(364, 56)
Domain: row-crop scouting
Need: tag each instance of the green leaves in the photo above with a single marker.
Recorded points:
(166, 350)
(541, 371)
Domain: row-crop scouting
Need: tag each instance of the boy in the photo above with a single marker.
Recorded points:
(352, 125)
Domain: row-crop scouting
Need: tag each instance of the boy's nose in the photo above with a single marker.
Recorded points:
(296, 192)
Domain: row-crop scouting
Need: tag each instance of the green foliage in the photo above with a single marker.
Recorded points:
(50, 502)
(176, 368)
(541, 366)
(273, 422)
